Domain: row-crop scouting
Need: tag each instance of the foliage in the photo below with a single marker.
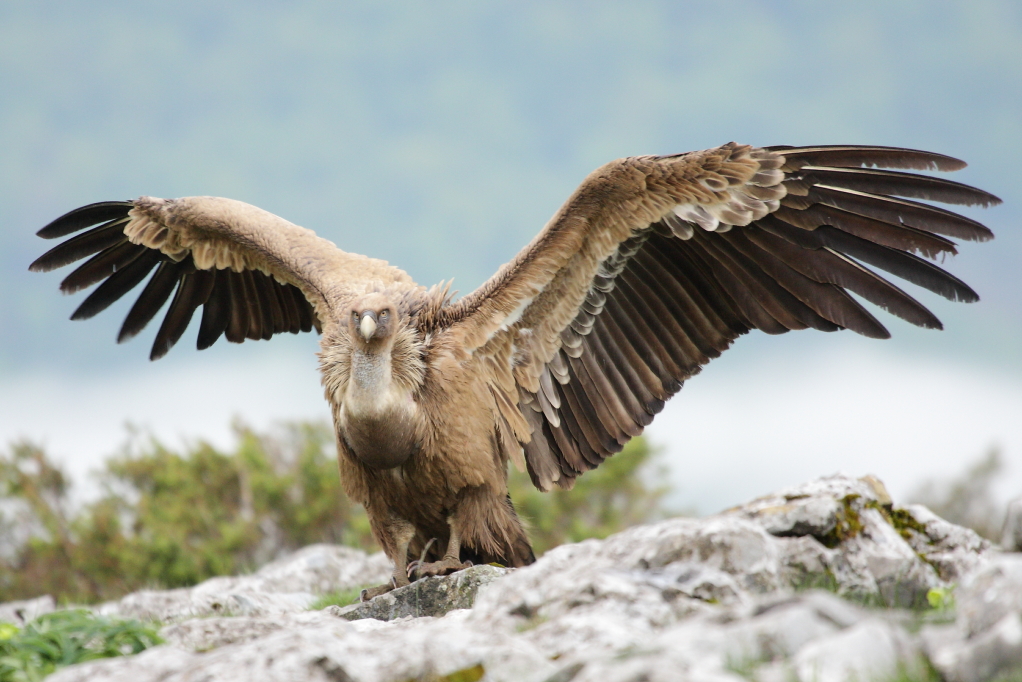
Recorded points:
(62, 638)
(169, 519)
(941, 598)
(968, 499)
(608, 499)
(172, 519)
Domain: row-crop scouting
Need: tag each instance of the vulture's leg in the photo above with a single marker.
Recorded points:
(401, 533)
(452, 557)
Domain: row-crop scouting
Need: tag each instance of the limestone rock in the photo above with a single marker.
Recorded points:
(990, 594)
(986, 638)
(333, 650)
(871, 650)
(432, 596)
(204, 634)
(20, 612)
(952, 550)
(730, 597)
(288, 585)
(888, 555)
(996, 650)
(158, 663)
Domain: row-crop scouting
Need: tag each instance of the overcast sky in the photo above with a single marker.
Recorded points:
(442, 136)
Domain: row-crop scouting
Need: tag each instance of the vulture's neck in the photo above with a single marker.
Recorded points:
(371, 386)
(376, 382)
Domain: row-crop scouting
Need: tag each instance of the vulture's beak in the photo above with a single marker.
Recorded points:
(368, 325)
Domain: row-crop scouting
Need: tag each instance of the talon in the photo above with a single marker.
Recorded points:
(415, 564)
(371, 593)
(444, 567)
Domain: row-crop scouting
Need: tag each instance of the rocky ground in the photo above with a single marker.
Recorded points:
(827, 581)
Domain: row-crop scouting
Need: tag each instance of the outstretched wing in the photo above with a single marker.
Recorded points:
(656, 264)
(253, 273)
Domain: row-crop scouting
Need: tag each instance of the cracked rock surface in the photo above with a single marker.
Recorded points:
(288, 585)
(826, 581)
(432, 596)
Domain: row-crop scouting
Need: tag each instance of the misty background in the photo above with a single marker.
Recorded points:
(442, 136)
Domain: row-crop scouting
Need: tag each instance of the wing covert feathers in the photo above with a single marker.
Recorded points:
(656, 264)
(253, 274)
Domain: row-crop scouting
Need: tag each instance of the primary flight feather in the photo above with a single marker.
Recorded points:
(650, 269)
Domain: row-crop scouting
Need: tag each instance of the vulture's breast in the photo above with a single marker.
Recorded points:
(381, 441)
(378, 415)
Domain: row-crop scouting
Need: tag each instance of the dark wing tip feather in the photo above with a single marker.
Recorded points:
(149, 302)
(851, 156)
(241, 305)
(193, 289)
(118, 284)
(898, 211)
(215, 312)
(80, 246)
(896, 183)
(84, 216)
(102, 265)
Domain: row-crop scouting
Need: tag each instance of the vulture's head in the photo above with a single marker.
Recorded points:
(372, 320)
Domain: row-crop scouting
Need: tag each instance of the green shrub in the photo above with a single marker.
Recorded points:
(169, 519)
(63, 638)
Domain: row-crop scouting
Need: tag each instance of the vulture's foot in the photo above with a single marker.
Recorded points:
(395, 582)
(420, 569)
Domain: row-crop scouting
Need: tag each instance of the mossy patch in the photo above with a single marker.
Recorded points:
(471, 674)
(903, 522)
(907, 526)
(847, 523)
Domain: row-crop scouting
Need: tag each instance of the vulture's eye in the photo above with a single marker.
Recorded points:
(354, 316)
(383, 315)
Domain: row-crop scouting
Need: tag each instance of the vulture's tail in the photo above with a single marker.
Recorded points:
(519, 553)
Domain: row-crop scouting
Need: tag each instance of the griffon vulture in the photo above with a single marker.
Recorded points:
(653, 267)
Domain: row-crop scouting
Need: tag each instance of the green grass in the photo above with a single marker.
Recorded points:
(63, 638)
(338, 598)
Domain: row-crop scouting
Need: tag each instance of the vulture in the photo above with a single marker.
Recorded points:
(653, 267)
